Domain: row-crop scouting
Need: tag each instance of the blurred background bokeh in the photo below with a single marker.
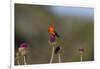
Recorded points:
(75, 25)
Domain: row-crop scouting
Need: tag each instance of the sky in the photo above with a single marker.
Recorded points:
(79, 11)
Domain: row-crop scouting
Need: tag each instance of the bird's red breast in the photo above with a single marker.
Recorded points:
(51, 29)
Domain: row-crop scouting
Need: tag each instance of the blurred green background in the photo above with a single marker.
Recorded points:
(75, 25)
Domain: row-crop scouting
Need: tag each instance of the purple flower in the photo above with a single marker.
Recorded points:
(52, 38)
(23, 48)
(24, 45)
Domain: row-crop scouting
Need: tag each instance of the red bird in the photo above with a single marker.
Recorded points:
(52, 31)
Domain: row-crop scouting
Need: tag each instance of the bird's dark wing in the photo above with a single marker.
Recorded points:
(57, 34)
(57, 49)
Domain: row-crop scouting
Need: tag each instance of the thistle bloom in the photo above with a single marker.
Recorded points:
(52, 40)
(25, 45)
(23, 51)
(23, 48)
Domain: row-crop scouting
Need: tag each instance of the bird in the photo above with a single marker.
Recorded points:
(51, 30)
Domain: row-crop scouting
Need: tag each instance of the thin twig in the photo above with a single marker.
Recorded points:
(52, 55)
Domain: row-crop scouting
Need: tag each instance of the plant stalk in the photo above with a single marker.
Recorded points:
(59, 58)
(52, 55)
(25, 63)
(18, 62)
(81, 57)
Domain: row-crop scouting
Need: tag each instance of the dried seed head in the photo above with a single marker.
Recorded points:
(81, 50)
